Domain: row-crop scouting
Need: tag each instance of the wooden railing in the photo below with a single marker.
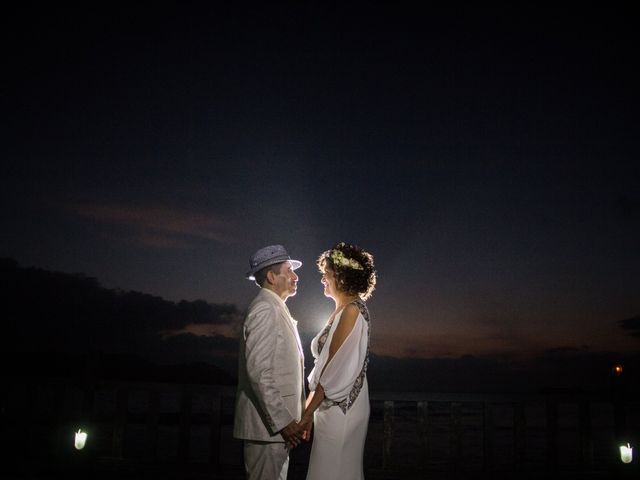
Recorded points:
(517, 433)
(168, 424)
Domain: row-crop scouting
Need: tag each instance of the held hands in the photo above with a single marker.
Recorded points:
(296, 432)
(306, 424)
(292, 435)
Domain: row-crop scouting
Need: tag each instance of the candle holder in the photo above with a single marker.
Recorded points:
(626, 453)
(80, 440)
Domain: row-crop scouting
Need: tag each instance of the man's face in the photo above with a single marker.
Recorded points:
(285, 282)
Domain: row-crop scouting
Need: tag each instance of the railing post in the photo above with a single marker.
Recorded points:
(89, 390)
(519, 435)
(586, 442)
(21, 425)
(216, 423)
(388, 433)
(456, 436)
(120, 422)
(619, 418)
(423, 431)
(488, 437)
(64, 435)
(552, 435)
(185, 424)
(152, 423)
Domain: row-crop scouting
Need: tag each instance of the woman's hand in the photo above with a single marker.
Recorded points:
(306, 424)
(313, 401)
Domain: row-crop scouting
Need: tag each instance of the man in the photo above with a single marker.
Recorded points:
(270, 397)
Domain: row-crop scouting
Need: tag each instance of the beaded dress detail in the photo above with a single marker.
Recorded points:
(357, 386)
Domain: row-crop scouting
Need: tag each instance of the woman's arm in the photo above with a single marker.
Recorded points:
(314, 400)
(345, 325)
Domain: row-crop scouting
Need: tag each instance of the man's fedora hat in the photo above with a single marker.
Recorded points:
(269, 256)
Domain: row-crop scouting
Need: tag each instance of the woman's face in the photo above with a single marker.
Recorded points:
(329, 282)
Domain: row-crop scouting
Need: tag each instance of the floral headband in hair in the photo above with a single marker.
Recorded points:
(338, 258)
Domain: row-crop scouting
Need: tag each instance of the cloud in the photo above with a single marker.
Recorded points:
(632, 325)
(160, 227)
(205, 319)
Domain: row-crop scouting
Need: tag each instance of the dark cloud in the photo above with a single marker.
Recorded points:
(159, 226)
(632, 325)
(199, 312)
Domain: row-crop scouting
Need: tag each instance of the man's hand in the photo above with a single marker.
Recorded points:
(292, 434)
(306, 424)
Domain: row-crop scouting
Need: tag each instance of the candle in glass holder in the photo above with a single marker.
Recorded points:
(626, 453)
(80, 440)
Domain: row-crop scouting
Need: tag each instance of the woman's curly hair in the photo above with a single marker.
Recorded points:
(353, 269)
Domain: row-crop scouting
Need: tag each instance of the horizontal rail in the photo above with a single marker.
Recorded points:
(443, 424)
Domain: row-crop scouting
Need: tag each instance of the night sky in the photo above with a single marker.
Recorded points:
(488, 159)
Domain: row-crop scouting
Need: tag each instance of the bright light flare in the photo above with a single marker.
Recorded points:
(626, 453)
(80, 440)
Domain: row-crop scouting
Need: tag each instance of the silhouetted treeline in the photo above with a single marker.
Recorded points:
(109, 367)
(58, 319)
(566, 371)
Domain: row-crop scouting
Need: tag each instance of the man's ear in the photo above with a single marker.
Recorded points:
(271, 277)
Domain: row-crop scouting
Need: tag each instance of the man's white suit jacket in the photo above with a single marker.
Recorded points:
(271, 390)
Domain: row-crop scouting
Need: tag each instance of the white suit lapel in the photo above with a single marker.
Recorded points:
(293, 325)
(288, 319)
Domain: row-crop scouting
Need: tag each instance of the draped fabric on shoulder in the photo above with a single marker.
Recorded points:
(342, 377)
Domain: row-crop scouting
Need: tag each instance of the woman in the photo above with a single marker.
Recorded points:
(338, 404)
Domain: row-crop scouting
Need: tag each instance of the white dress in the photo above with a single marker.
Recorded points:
(341, 420)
